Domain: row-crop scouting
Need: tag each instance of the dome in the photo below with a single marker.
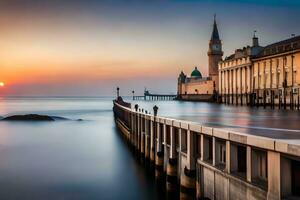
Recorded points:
(196, 73)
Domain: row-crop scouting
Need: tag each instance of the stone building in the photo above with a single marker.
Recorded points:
(200, 88)
(235, 75)
(276, 77)
(262, 75)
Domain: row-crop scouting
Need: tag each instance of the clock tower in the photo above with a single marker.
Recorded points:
(215, 52)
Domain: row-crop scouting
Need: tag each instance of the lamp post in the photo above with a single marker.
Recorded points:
(155, 108)
(132, 94)
(284, 84)
(118, 92)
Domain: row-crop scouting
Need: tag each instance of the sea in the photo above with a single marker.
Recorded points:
(84, 157)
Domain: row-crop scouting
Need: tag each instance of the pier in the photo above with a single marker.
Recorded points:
(212, 163)
(154, 97)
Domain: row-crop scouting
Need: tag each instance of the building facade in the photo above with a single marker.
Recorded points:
(276, 77)
(235, 75)
(199, 88)
(262, 76)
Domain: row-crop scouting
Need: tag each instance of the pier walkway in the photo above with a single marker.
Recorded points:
(213, 162)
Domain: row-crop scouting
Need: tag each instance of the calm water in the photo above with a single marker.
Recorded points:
(67, 159)
(88, 159)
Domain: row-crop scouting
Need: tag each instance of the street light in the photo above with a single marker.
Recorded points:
(118, 92)
(132, 94)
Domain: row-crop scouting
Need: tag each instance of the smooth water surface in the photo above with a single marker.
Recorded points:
(88, 159)
(67, 159)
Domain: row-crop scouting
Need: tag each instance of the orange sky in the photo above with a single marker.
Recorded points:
(38, 49)
(89, 49)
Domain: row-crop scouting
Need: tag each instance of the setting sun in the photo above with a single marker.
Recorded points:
(2, 84)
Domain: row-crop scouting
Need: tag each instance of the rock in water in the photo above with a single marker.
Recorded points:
(30, 117)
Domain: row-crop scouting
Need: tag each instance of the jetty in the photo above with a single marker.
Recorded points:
(210, 163)
(154, 97)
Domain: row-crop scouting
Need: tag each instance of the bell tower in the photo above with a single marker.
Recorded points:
(215, 52)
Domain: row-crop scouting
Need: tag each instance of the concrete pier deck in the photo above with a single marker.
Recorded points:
(275, 124)
(241, 154)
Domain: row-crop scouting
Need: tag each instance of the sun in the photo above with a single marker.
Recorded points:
(2, 84)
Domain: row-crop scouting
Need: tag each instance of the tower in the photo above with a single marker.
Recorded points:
(215, 52)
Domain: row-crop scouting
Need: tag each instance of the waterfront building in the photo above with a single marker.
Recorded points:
(235, 74)
(199, 88)
(262, 75)
(276, 77)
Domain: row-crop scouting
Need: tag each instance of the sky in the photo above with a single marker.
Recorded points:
(89, 47)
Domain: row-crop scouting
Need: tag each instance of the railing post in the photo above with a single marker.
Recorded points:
(152, 139)
(213, 151)
(249, 164)
(132, 128)
(142, 134)
(172, 163)
(147, 138)
(228, 154)
(188, 177)
(274, 188)
(159, 157)
(138, 128)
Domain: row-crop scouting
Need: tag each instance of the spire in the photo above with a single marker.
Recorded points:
(215, 33)
(254, 34)
(255, 40)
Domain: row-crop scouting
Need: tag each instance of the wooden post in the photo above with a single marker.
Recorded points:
(291, 99)
(136, 127)
(257, 98)
(284, 98)
(264, 98)
(279, 98)
(298, 99)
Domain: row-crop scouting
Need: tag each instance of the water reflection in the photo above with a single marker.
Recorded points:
(68, 159)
